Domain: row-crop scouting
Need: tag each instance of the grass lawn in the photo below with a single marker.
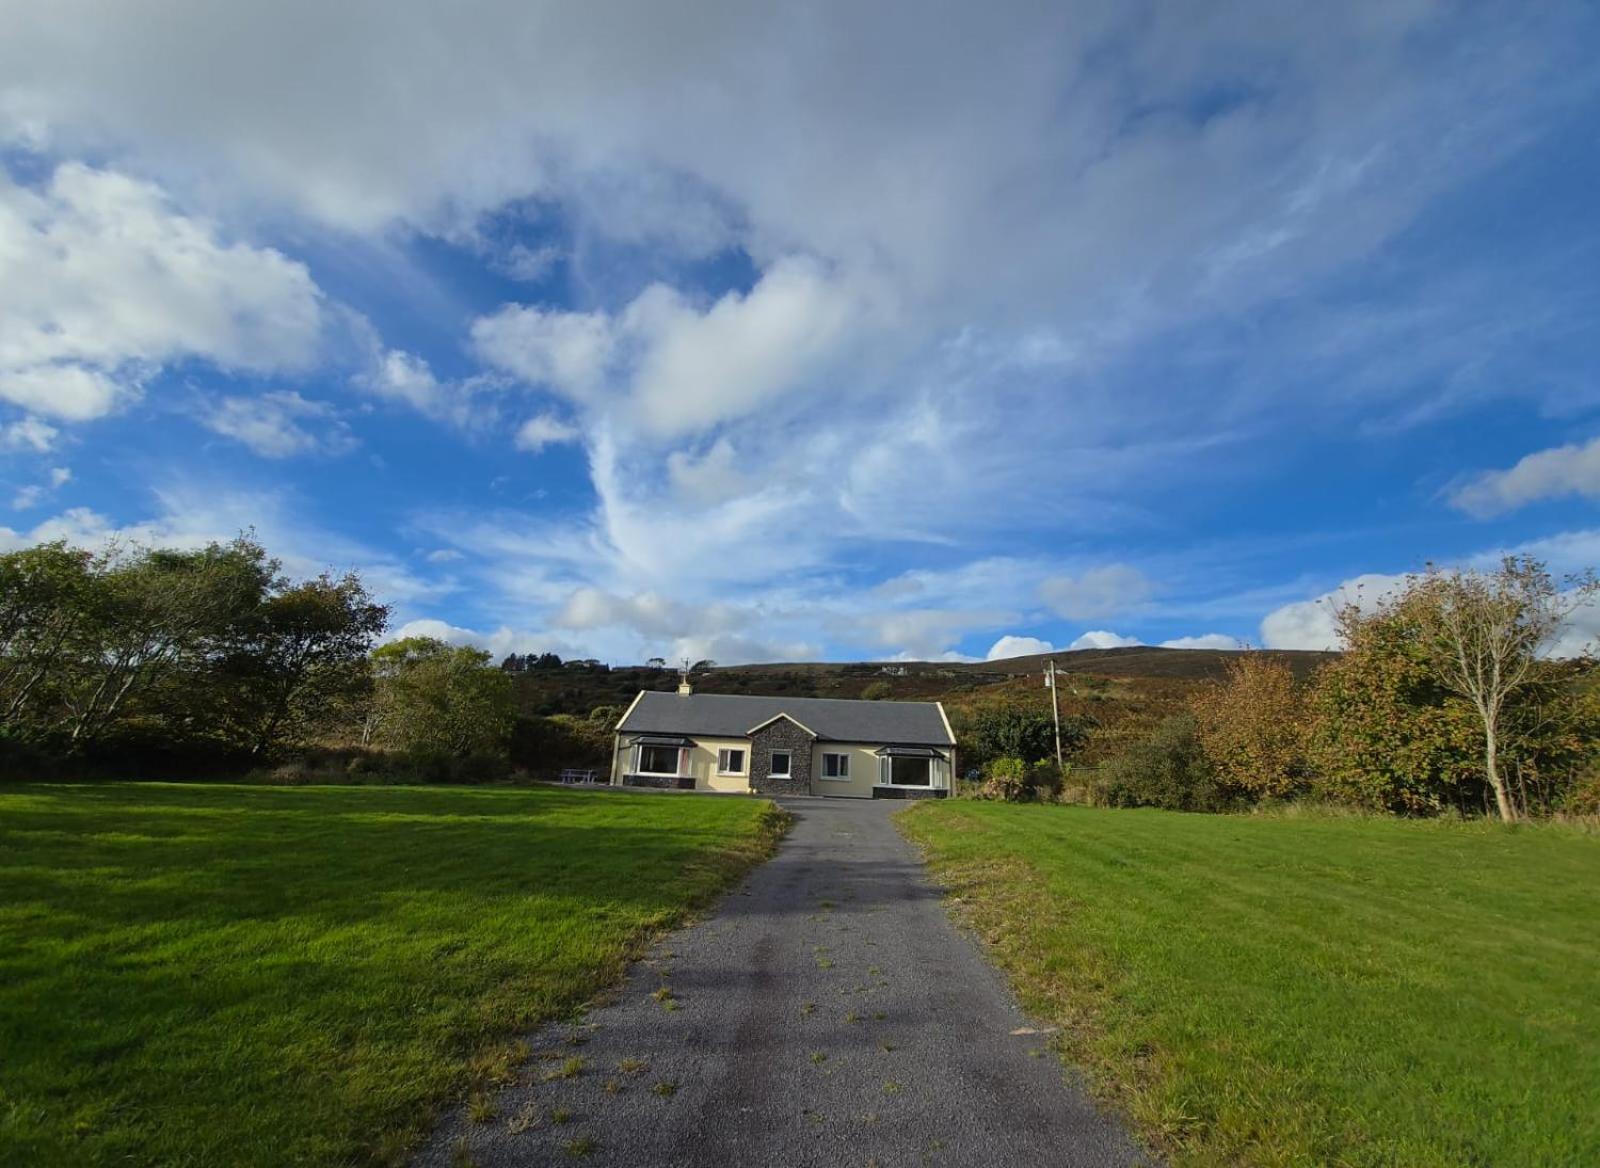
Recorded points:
(1275, 991)
(209, 974)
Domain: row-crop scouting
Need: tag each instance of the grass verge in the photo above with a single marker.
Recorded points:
(206, 974)
(1286, 991)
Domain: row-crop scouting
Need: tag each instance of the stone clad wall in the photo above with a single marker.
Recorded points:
(781, 734)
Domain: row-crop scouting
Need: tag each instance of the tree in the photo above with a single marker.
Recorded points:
(436, 698)
(150, 614)
(1484, 638)
(1013, 732)
(44, 595)
(1252, 726)
(1384, 733)
(299, 658)
(702, 666)
(656, 663)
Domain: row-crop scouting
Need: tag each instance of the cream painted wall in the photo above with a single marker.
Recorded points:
(703, 765)
(863, 769)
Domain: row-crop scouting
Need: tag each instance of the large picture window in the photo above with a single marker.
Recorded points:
(658, 760)
(780, 764)
(836, 766)
(730, 761)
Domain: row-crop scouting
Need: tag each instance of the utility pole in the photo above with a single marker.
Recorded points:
(1055, 708)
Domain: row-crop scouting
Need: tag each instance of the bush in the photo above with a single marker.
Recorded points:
(1583, 798)
(1167, 769)
(1007, 781)
(1253, 728)
(877, 691)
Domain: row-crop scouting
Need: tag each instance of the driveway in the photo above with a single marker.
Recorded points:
(827, 1013)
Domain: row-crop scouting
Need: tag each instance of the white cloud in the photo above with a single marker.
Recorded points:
(272, 424)
(545, 430)
(1013, 646)
(528, 264)
(1104, 639)
(673, 367)
(567, 352)
(443, 556)
(405, 377)
(1545, 474)
(189, 514)
(28, 434)
(70, 393)
(1099, 592)
(1310, 624)
(714, 477)
(102, 280)
(1204, 641)
(31, 496)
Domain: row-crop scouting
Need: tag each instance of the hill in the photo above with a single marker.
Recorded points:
(1120, 692)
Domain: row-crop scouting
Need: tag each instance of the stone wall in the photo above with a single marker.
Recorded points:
(780, 734)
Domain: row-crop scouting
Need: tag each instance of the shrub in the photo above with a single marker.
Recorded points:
(1583, 798)
(877, 691)
(1168, 769)
(1007, 781)
(1252, 728)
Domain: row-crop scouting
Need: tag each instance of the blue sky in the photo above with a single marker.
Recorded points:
(845, 331)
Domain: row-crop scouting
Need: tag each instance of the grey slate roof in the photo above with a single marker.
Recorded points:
(835, 719)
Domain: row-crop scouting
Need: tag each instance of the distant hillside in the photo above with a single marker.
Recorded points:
(577, 688)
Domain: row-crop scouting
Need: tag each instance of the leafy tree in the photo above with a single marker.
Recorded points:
(149, 615)
(1385, 733)
(1252, 727)
(436, 698)
(702, 666)
(656, 663)
(44, 601)
(1017, 732)
(299, 659)
(1484, 635)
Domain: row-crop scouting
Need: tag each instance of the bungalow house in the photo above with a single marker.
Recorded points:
(784, 746)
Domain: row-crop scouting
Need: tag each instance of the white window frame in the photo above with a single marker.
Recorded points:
(788, 768)
(638, 760)
(936, 775)
(843, 776)
(722, 760)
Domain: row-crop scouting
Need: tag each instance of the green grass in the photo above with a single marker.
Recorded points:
(205, 974)
(1302, 991)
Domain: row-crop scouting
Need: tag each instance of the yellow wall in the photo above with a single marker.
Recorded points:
(863, 769)
(703, 765)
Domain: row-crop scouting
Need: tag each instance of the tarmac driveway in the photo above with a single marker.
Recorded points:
(827, 1013)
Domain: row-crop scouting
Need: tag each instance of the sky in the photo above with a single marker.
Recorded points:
(809, 331)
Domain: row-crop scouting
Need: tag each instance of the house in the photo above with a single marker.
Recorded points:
(784, 746)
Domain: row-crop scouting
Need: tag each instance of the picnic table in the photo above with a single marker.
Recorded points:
(577, 776)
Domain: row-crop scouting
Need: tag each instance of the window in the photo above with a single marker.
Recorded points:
(730, 762)
(910, 772)
(658, 760)
(780, 764)
(836, 766)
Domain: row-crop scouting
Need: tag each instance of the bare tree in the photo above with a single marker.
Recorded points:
(1489, 632)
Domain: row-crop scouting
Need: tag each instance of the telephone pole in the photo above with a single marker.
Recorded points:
(1055, 707)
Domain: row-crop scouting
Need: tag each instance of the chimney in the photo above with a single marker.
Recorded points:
(684, 688)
